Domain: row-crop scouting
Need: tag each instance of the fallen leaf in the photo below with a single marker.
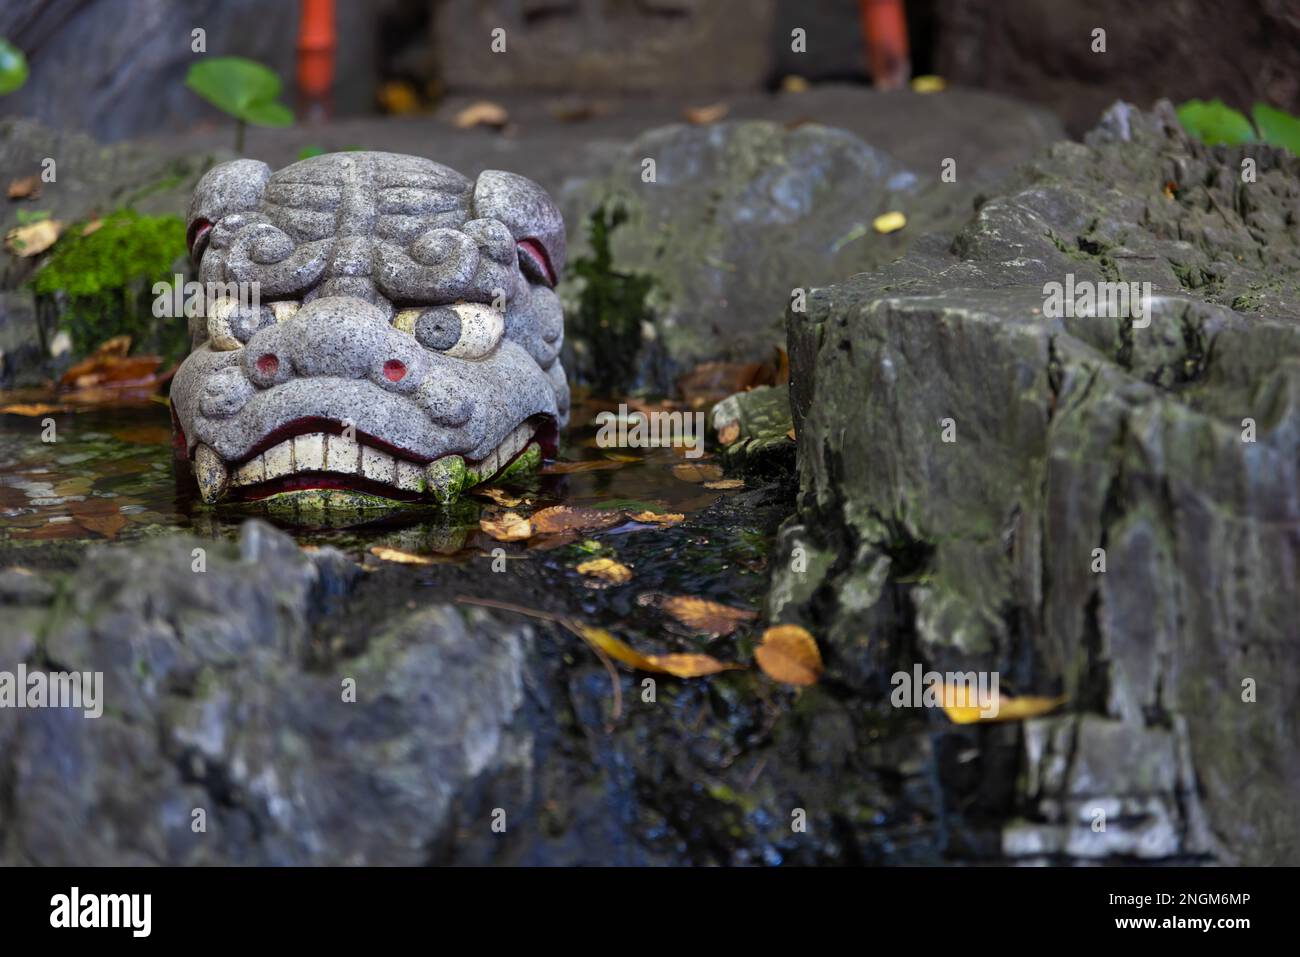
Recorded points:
(729, 433)
(657, 518)
(25, 187)
(960, 703)
(788, 654)
(707, 617)
(387, 554)
(507, 527)
(928, 83)
(677, 665)
(567, 518)
(606, 569)
(566, 468)
(112, 371)
(794, 84)
(91, 227)
(34, 238)
(107, 525)
(889, 222)
(704, 115)
(695, 472)
(398, 97)
(482, 113)
(499, 495)
(790, 435)
(31, 408)
(619, 457)
(724, 485)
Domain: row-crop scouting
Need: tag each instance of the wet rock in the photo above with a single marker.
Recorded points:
(220, 698)
(756, 430)
(962, 456)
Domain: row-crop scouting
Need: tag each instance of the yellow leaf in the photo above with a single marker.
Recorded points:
(706, 616)
(657, 518)
(30, 408)
(788, 654)
(507, 527)
(723, 485)
(677, 665)
(606, 569)
(499, 495)
(399, 556)
(25, 241)
(794, 84)
(962, 707)
(889, 222)
(928, 83)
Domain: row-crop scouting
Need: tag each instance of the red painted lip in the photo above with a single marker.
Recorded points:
(536, 253)
(197, 239)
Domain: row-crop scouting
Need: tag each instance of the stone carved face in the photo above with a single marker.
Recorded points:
(406, 343)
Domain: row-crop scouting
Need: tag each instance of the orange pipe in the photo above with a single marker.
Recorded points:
(884, 29)
(317, 41)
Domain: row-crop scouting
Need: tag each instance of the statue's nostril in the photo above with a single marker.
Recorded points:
(394, 370)
(268, 364)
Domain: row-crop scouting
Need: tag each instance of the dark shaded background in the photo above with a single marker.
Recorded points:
(132, 54)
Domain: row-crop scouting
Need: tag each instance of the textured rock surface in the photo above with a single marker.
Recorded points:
(696, 264)
(219, 696)
(1072, 435)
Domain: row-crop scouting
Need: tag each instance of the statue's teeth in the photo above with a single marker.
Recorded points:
(377, 466)
(309, 452)
(211, 473)
(445, 477)
(410, 477)
(279, 459)
(342, 454)
(250, 473)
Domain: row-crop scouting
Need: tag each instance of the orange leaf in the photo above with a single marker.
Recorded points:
(595, 465)
(677, 665)
(565, 518)
(506, 527)
(789, 654)
(606, 569)
(961, 706)
(706, 616)
(693, 472)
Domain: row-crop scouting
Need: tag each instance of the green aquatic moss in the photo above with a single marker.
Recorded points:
(103, 281)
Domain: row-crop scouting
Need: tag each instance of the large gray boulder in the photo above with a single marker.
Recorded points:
(962, 457)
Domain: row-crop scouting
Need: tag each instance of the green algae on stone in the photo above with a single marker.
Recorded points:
(107, 277)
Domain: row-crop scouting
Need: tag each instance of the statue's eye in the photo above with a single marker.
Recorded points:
(232, 323)
(467, 330)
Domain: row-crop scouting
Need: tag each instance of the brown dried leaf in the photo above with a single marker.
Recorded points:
(725, 485)
(788, 654)
(697, 472)
(25, 187)
(499, 495)
(567, 518)
(34, 238)
(507, 527)
(91, 227)
(657, 518)
(678, 665)
(606, 569)
(707, 617)
(703, 115)
(729, 433)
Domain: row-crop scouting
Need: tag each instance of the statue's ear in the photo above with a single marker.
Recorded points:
(234, 187)
(532, 218)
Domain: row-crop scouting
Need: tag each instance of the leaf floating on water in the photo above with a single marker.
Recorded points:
(499, 495)
(34, 238)
(889, 222)
(619, 457)
(724, 485)
(657, 518)
(31, 408)
(567, 518)
(677, 665)
(507, 527)
(697, 472)
(729, 433)
(707, 617)
(384, 553)
(962, 706)
(789, 654)
(606, 569)
(594, 465)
